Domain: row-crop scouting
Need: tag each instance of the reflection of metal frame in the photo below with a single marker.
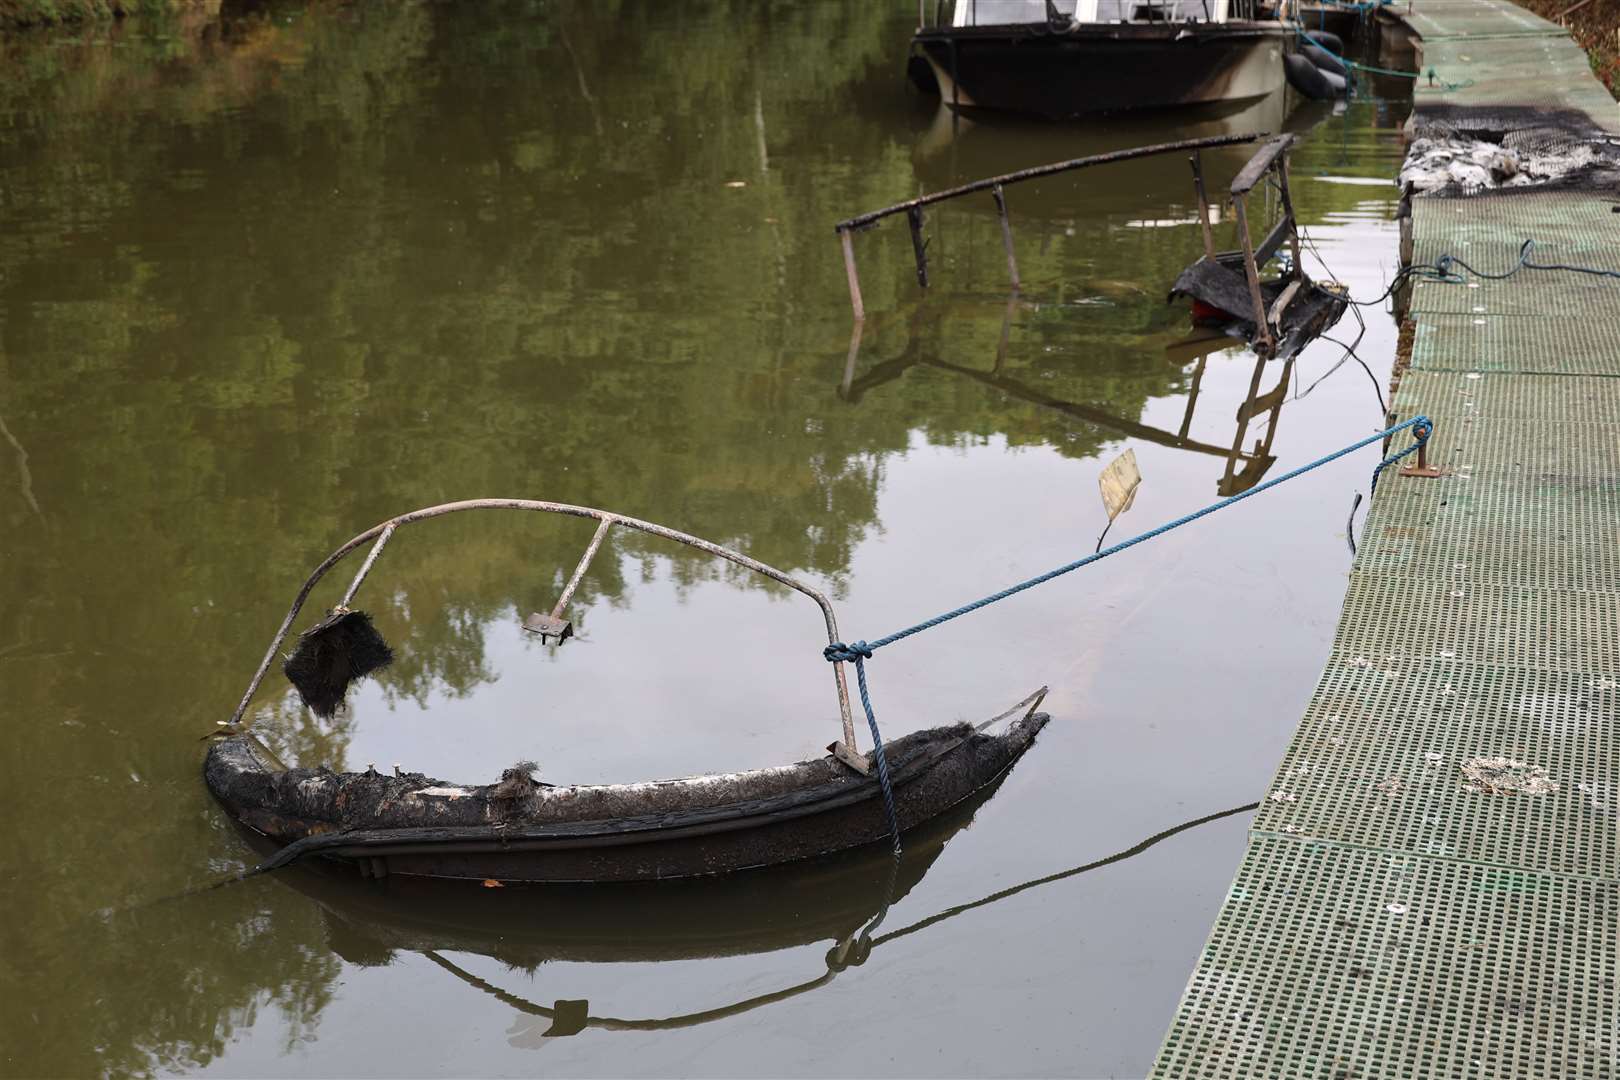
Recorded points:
(1243, 470)
(382, 532)
(570, 1017)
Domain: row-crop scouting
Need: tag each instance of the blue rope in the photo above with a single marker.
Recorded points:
(861, 651)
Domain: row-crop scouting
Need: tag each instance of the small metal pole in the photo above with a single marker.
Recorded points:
(365, 567)
(1293, 223)
(849, 361)
(554, 625)
(919, 247)
(1192, 398)
(1006, 236)
(1423, 468)
(579, 571)
(1006, 330)
(1203, 205)
(854, 278)
(844, 712)
(1262, 331)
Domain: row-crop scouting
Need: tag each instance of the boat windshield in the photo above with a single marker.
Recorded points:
(1013, 12)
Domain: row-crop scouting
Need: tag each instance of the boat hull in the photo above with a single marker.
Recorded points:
(1102, 67)
(413, 825)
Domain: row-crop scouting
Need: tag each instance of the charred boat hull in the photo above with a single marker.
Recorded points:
(414, 825)
(1102, 67)
(690, 918)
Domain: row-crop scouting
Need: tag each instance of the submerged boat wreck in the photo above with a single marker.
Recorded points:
(1066, 58)
(519, 829)
(1277, 316)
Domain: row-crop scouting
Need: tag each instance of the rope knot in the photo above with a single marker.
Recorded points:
(1422, 429)
(850, 653)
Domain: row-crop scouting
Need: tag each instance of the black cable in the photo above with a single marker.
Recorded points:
(1351, 352)
(1442, 270)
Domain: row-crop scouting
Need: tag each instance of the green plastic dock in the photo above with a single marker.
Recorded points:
(1395, 916)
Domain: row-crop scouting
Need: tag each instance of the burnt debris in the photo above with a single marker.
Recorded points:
(1278, 317)
(335, 652)
(1461, 151)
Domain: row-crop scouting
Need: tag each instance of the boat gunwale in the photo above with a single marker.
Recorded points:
(847, 790)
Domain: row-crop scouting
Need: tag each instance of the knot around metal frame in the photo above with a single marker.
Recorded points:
(837, 651)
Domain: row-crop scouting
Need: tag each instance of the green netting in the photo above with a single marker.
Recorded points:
(1563, 295)
(1488, 343)
(1377, 762)
(1560, 533)
(1454, 17)
(1393, 917)
(1339, 964)
(1452, 397)
(1392, 621)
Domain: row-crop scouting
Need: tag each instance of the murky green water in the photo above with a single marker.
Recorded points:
(266, 282)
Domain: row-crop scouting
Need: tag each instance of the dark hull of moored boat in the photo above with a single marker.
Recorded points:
(1102, 67)
(414, 825)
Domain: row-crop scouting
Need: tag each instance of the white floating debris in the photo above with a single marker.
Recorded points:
(1505, 776)
(1472, 375)
(1395, 909)
(1283, 796)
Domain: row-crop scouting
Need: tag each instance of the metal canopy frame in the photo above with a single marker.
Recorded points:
(379, 535)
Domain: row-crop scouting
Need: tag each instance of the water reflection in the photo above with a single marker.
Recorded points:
(264, 280)
(1243, 467)
(841, 901)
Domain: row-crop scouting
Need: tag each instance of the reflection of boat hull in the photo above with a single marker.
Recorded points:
(413, 825)
(1102, 67)
(521, 926)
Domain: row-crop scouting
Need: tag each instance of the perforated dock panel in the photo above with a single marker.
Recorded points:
(1392, 917)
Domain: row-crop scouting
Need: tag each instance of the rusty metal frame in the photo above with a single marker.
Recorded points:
(1270, 161)
(913, 208)
(379, 535)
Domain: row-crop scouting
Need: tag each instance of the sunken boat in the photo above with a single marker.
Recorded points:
(518, 829)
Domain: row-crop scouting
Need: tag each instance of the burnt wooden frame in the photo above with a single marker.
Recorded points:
(913, 208)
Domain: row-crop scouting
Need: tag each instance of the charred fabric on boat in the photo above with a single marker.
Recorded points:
(1470, 150)
(701, 825)
(1218, 285)
(340, 649)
